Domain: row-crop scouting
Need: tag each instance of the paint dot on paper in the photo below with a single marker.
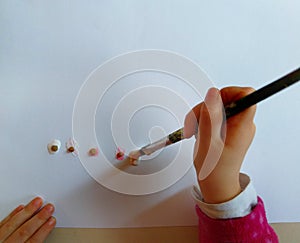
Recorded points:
(93, 151)
(54, 146)
(72, 147)
(120, 153)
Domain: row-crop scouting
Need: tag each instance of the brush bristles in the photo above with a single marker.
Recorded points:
(134, 157)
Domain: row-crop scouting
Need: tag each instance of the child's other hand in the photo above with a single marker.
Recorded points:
(30, 223)
(220, 146)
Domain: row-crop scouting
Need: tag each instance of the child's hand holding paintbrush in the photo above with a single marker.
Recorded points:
(229, 139)
(227, 204)
(228, 207)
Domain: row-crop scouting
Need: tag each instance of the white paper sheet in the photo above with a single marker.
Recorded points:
(47, 50)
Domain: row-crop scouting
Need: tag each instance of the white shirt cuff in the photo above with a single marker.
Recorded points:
(239, 206)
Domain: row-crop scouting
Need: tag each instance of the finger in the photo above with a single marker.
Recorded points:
(211, 117)
(241, 121)
(191, 121)
(228, 94)
(19, 218)
(211, 123)
(43, 232)
(14, 212)
(205, 116)
(231, 94)
(234, 93)
(25, 231)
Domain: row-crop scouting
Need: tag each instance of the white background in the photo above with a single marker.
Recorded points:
(48, 48)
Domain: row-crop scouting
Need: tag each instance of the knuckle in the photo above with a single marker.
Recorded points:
(251, 89)
(40, 217)
(24, 233)
(248, 90)
(9, 227)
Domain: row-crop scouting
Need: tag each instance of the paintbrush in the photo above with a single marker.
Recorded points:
(230, 110)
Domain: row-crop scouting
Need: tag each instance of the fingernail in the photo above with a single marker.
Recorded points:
(49, 208)
(19, 208)
(212, 94)
(37, 202)
(51, 221)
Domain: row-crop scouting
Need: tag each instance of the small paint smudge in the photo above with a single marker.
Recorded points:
(93, 152)
(54, 146)
(120, 153)
(72, 147)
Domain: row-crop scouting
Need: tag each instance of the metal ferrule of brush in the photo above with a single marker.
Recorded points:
(170, 139)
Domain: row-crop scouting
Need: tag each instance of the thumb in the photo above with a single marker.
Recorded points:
(211, 116)
(210, 130)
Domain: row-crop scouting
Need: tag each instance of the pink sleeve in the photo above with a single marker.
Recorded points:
(251, 228)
